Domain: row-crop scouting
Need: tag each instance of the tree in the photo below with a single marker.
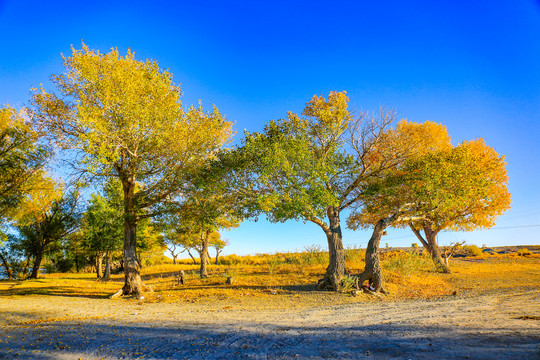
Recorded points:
(387, 200)
(123, 118)
(218, 245)
(21, 159)
(102, 227)
(312, 168)
(459, 188)
(51, 219)
(174, 247)
(466, 188)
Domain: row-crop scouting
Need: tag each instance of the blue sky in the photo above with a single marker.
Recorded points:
(473, 66)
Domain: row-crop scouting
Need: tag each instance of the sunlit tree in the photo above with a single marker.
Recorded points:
(123, 118)
(315, 166)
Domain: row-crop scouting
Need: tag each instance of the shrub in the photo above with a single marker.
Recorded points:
(524, 252)
(472, 250)
(348, 283)
(232, 259)
(314, 254)
(354, 255)
(406, 263)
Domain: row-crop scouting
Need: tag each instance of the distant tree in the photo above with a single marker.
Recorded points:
(102, 227)
(314, 167)
(174, 248)
(218, 245)
(123, 118)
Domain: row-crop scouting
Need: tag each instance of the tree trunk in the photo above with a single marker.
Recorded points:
(336, 266)
(132, 283)
(217, 256)
(99, 262)
(192, 258)
(430, 244)
(37, 264)
(204, 253)
(26, 267)
(108, 260)
(372, 271)
(174, 259)
(431, 237)
(6, 266)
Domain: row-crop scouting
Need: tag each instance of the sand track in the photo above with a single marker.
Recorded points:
(491, 326)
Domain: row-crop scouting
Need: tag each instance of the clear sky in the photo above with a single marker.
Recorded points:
(471, 65)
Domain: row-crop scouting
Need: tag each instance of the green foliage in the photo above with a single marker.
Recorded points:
(103, 221)
(348, 283)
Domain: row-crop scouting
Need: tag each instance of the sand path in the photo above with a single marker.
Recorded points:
(492, 326)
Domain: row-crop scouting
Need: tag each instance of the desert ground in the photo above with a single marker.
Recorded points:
(495, 322)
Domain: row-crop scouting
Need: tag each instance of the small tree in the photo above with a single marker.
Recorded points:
(123, 119)
(219, 244)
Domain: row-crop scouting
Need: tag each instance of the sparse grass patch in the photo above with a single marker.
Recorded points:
(408, 275)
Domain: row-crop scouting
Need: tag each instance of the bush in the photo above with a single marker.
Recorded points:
(314, 254)
(354, 255)
(65, 265)
(348, 283)
(232, 259)
(472, 250)
(524, 252)
(406, 263)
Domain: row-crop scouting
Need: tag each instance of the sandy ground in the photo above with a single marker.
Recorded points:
(492, 326)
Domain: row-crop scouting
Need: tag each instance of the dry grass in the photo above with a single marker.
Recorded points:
(408, 276)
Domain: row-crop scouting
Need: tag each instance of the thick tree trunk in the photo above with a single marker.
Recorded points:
(373, 272)
(430, 244)
(132, 283)
(204, 254)
(174, 259)
(37, 264)
(99, 262)
(108, 260)
(431, 237)
(7, 268)
(336, 266)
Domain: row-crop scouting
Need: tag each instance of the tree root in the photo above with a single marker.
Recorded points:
(116, 294)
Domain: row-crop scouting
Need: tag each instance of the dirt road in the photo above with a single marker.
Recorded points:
(493, 326)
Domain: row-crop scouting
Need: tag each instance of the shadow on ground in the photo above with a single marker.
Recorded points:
(75, 340)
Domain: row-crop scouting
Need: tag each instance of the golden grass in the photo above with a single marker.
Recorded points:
(293, 285)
